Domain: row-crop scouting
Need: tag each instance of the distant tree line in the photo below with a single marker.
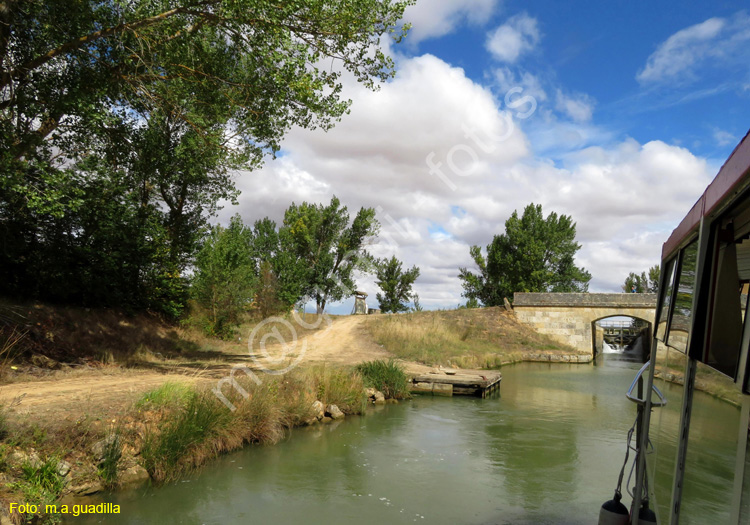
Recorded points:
(313, 254)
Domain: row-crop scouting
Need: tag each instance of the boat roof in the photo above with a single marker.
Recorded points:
(728, 180)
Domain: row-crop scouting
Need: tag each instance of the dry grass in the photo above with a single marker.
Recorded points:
(188, 426)
(469, 338)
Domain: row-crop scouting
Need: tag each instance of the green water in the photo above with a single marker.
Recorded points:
(548, 450)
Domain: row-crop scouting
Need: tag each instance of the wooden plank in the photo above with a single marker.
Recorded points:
(456, 380)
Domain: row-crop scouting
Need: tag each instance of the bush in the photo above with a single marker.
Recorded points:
(387, 376)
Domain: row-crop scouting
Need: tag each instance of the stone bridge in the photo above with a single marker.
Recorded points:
(570, 318)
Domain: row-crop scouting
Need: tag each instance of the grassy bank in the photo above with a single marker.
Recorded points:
(468, 338)
(170, 431)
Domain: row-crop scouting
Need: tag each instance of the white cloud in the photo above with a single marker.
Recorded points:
(625, 197)
(436, 18)
(515, 37)
(505, 80)
(723, 138)
(579, 107)
(716, 40)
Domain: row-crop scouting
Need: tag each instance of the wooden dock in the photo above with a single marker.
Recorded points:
(479, 383)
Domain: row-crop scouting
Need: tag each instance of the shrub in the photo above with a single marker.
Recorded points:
(387, 376)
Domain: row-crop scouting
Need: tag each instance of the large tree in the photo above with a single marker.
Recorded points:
(121, 121)
(282, 271)
(643, 283)
(224, 282)
(396, 285)
(331, 246)
(534, 254)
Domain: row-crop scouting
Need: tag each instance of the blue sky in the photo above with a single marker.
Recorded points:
(616, 113)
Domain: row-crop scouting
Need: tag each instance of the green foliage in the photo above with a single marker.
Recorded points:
(224, 282)
(533, 255)
(168, 394)
(417, 305)
(387, 376)
(643, 283)
(331, 248)
(396, 285)
(41, 485)
(282, 274)
(121, 122)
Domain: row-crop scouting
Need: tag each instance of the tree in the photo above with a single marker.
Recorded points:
(533, 255)
(224, 282)
(417, 305)
(283, 273)
(331, 248)
(121, 122)
(643, 283)
(396, 285)
(69, 70)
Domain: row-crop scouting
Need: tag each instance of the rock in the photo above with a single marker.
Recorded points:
(379, 398)
(334, 412)
(100, 448)
(135, 474)
(370, 393)
(42, 361)
(87, 488)
(63, 468)
(318, 409)
(326, 419)
(19, 459)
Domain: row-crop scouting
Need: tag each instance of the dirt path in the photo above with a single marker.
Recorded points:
(344, 342)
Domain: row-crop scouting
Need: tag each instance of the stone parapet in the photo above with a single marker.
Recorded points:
(592, 300)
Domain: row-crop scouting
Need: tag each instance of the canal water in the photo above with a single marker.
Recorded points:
(548, 450)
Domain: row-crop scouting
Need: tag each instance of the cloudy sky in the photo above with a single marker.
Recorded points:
(604, 111)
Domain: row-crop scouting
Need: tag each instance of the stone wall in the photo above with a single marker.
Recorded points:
(569, 318)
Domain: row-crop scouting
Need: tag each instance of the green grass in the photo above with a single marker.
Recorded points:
(193, 426)
(112, 453)
(338, 386)
(166, 451)
(40, 485)
(387, 376)
(167, 394)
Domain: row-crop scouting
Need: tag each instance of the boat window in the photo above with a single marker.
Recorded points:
(724, 337)
(666, 292)
(679, 324)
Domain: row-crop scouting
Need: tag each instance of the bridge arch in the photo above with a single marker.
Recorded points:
(623, 333)
(570, 318)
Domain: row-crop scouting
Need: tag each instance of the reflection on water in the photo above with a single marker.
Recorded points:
(548, 450)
